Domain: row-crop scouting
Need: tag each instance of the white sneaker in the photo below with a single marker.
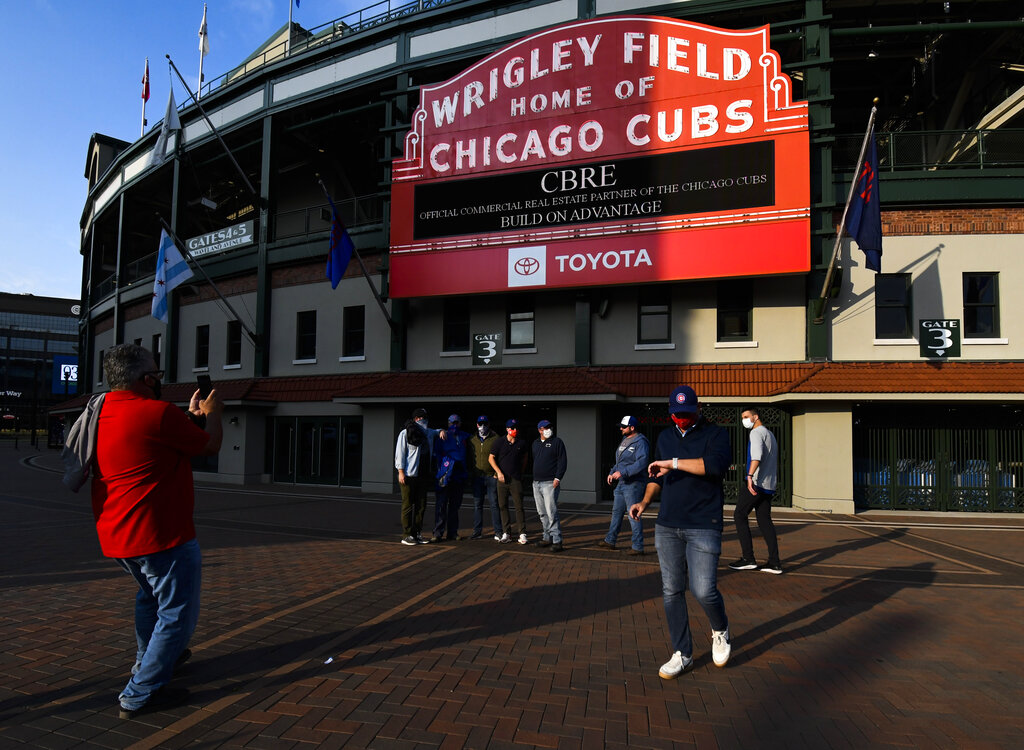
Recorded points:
(720, 647)
(409, 540)
(522, 538)
(675, 666)
(497, 538)
(504, 538)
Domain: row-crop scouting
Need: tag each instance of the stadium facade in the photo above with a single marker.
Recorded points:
(570, 207)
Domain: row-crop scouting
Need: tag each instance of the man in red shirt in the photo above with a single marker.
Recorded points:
(142, 500)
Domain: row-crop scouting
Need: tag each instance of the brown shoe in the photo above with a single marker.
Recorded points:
(604, 545)
(635, 552)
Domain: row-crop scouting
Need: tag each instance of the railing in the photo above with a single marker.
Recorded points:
(353, 212)
(356, 21)
(936, 150)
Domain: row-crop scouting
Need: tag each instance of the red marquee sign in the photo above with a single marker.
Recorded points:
(611, 151)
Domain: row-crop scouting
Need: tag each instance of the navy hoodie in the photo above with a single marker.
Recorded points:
(689, 501)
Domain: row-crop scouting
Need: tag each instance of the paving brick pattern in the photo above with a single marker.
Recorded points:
(319, 630)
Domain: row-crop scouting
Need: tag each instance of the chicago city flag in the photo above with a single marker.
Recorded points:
(171, 270)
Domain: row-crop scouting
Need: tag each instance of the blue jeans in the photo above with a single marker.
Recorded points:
(626, 494)
(689, 554)
(546, 496)
(485, 487)
(166, 611)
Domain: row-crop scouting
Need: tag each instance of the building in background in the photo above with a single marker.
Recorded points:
(38, 358)
(903, 390)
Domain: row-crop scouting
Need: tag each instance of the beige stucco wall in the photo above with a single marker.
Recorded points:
(822, 467)
(936, 264)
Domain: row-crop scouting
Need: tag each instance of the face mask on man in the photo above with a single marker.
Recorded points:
(546, 434)
(483, 429)
(748, 423)
(512, 432)
(684, 421)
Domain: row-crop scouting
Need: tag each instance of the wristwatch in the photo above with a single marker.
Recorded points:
(675, 463)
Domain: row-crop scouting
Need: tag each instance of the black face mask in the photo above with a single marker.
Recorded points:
(155, 386)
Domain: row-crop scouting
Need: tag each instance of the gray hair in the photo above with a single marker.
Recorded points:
(124, 364)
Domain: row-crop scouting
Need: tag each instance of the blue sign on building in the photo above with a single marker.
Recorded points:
(65, 374)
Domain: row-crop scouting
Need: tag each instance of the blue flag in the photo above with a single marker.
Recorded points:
(340, 252)
(171, 270)
(864, 222)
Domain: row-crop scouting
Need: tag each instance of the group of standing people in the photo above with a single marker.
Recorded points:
(493, 465)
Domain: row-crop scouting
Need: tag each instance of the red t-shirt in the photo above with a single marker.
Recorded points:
(142, 495)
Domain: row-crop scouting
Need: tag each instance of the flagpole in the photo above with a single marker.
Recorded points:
(202, 53)
(231, 156)
(362, 266)
(288, 39)
(846, 210)
(192, 262)
(145, 98)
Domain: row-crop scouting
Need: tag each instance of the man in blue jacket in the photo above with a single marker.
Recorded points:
(630, 471)
(691, 459)
(450, 452)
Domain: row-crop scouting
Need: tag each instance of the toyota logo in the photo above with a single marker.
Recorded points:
(526, 266)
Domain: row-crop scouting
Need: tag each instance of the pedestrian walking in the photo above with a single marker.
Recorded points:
(762, 479)
(629, 475)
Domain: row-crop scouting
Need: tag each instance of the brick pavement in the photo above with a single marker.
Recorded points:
(319, 629)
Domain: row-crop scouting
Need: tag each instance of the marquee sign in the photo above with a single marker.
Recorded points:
(611, 151)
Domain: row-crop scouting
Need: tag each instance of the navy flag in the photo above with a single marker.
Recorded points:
(340, 252)
(864, 222)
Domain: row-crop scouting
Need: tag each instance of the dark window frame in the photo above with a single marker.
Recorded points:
(888, 300)
(654, 308)
(305, 335)
(974, 308)
(455, 325)
(233, 343)
(735, 310)
(520, 310)
(202, 347)
(353, 331)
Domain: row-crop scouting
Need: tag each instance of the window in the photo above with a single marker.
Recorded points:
(892, 306)
(155, 350)
(736, 310)
(233, 355)
(353, 331)
(202, 346)
(455, 333)
(653, 316)
(305, 335)
(981, 305)
(520, 330)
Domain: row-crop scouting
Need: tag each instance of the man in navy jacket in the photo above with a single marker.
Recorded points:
(691, 459)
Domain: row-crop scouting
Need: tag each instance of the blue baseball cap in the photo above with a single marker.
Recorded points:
(542, 424)
(454, 419)
(482, 419)
(511, 423)
(683, 401)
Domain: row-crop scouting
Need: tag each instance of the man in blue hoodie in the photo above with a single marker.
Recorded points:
(450, 452)
(630, 474)
(691, 459)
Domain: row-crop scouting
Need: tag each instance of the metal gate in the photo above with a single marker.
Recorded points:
(952, 464)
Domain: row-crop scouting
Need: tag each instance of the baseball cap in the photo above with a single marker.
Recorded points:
(417, 413)
(453, 418)
(511, 423)
(482, 419)
(542, 424)
(682, 401)
(628, 422)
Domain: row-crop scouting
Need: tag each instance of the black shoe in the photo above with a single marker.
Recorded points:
(633, 551)
(436, 540)
(556, 547)
(476, 536)
(165, 697)
(604, 545)
(544, 543)
(744, 564)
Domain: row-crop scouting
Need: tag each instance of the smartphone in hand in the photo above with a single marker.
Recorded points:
(205, 386)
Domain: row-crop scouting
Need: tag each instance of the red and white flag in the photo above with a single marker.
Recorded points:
(145, 83)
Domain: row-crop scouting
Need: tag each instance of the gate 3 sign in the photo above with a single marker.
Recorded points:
(939, 338)
(611, 151)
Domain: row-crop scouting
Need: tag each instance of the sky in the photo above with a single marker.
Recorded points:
(74, 68)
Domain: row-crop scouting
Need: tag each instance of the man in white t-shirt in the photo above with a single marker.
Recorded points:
(762, 479)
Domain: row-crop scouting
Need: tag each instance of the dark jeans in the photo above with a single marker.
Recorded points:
(414, 503)
(761, 503)
(515, 486)
(446, 509)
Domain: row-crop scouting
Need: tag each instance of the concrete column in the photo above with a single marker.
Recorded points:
(580, 429)
(379, 436)
(823, 458)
